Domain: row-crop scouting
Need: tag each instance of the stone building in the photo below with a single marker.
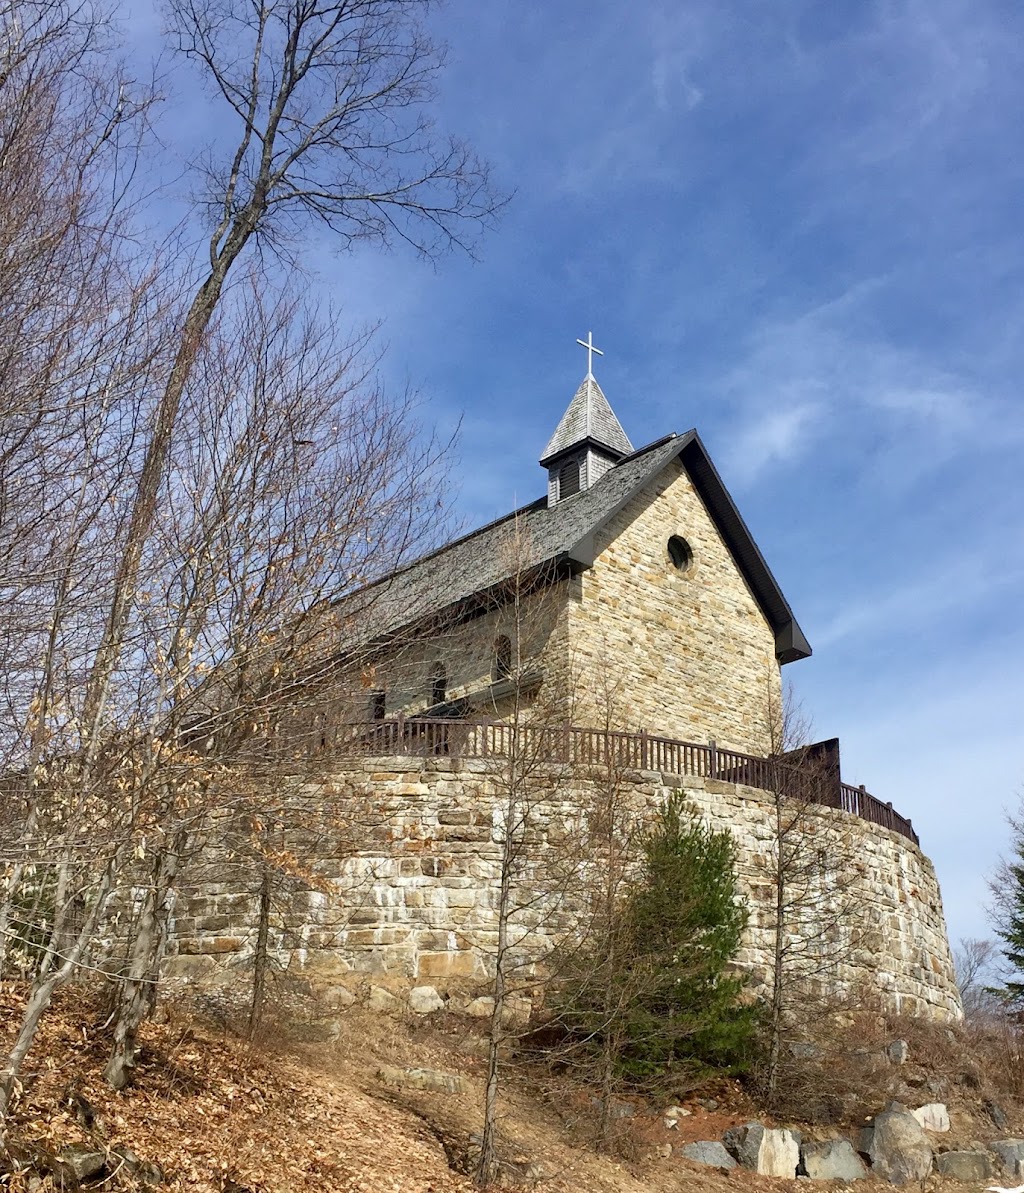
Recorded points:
(635, 564)
(630, 598)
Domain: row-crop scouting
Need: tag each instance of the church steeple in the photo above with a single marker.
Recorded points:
(588, 440)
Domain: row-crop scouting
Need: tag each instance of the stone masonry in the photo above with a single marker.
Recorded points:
(413, 901)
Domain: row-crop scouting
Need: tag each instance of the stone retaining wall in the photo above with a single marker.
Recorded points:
(407, 867)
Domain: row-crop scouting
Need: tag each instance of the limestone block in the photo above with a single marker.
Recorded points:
(769, 1151)
(462, 964)
(933, 1117)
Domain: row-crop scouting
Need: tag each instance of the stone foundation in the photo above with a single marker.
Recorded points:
(410, 898)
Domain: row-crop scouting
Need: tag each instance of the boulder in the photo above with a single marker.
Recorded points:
(996, 1113)
(743, 1143)
(933, 1117)
(897, 1147)
(382, 1001)
(480, 1008)
(897, 1052)
(429, 1079)
(769, 1151)
(832, 1160)
(84, 1161)
(424, 1000)
(964, 1166)
(708, 1151)
(1010, 1154)
(338, 998)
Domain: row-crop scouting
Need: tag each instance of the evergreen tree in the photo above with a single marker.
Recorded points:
(1008, 910)
(652, 997)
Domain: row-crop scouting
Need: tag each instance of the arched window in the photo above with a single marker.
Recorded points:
(438, 683)
(502, 656)
(568, 479)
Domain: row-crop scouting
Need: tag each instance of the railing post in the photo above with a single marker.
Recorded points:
(643, 750)
(712, 759)
(400, 730)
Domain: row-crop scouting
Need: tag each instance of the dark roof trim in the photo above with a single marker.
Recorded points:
(586, 441)
(790, 643)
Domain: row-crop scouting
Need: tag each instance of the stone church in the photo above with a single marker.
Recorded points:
(635, 564)
(626, 612)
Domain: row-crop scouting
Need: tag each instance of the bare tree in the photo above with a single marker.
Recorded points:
(977, 963)
(328, 102)
(297, 477)
(536, 835)
(811, 919)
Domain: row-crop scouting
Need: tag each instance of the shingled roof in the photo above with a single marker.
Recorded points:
(588, 418)
(564, 535)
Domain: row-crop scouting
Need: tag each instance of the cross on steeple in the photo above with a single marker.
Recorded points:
(588, 343)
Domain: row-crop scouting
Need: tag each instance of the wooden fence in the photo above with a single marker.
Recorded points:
(579, 746)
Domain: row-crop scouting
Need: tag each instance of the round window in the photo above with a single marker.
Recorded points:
(679, 552)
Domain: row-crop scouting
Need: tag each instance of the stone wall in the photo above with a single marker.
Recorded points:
(410, 897)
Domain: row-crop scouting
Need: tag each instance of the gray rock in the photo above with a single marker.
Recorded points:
(899, 1149)
(424, 1000)
(430, 1079)
(964, 1166)
(997, 1114)
(1010, 1154)
(832, 1160)
(84, 1161)
(710, 1152)
(743, 1143)
(617, 1108)
(933, 1117)
(897, 1052)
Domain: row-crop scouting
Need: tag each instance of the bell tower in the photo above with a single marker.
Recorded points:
(588, 440)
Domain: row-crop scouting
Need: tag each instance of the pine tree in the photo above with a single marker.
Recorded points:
(653, 994)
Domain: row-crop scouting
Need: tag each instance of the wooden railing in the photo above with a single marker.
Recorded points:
(579, 746)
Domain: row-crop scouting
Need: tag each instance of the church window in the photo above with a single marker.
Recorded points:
(679, 552)
(438, 683)
(377, 703)
(502, 656)
(569, 479)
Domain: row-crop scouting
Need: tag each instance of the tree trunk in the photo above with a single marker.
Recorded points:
(138, 992)
(43, 991)
(260, 959)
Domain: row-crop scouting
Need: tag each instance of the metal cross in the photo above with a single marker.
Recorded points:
(588, 343)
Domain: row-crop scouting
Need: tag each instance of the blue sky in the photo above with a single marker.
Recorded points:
(795, 226)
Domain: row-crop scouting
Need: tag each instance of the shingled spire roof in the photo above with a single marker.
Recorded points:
(588, 419)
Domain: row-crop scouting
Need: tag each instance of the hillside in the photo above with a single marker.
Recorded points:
(210, 1113)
